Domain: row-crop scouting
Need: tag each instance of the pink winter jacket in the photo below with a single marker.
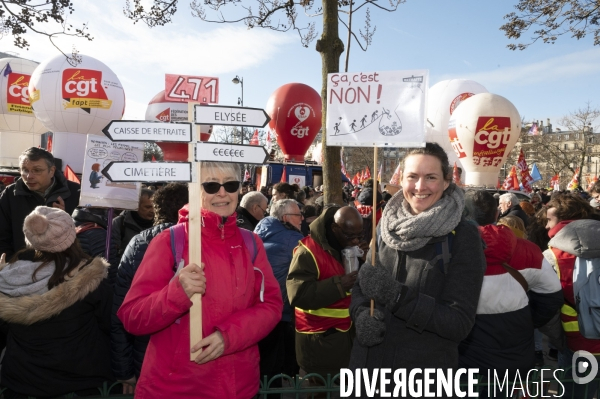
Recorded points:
(157, 304)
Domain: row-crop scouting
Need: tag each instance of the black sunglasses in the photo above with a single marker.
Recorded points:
(213, 187)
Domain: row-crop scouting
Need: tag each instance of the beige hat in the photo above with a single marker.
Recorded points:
(49, 229)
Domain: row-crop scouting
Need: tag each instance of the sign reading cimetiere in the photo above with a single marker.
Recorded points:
(148, 171)
(220, 152)
(180, 132)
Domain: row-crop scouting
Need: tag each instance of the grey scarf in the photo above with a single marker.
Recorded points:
(16, 278)
(404, 231)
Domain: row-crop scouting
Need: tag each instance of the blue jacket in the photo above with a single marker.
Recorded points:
(279, 241)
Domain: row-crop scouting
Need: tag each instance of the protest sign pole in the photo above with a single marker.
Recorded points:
(195, 236)
(374, 215)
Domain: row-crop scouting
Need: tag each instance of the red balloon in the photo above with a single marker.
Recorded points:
(295, 111)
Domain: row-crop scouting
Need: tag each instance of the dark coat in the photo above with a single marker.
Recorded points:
(58, 342)
(128, 350)
(124, 228)
(92, 240)
(426, 330)
(517, 211)
(245, 220)
(17, 201)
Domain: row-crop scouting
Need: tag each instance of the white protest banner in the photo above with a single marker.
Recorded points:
(96, 189)
(377, 109)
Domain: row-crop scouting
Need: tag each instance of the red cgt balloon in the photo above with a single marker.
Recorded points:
(295, 111)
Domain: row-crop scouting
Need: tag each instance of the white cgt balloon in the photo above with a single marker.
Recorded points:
(484, 129)
(443, 98)
(73, 101)
(19, 128)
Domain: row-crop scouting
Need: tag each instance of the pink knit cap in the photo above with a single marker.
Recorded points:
(49, 229)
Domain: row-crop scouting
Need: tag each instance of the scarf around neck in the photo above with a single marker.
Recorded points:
(403, 231)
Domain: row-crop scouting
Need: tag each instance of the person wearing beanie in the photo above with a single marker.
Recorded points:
(41, 183)
(55, 310)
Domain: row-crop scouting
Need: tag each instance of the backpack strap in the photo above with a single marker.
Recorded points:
(516, 275)
(177, 233)
(250, 242)
(443, 252)
(87, 226)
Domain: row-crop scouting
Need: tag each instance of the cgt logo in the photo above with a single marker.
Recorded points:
(16, 92)
(82, 83)
(584, 367)
(164, 116)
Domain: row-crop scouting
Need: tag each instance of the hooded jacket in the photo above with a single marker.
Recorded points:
(58, 341)
(17, 201)
(502, 337)
(570, 239)
(156, 304)
(279, 241)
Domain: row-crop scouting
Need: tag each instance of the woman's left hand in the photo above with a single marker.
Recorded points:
(213, 345)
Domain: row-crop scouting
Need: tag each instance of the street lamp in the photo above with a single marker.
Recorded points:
(238, 80)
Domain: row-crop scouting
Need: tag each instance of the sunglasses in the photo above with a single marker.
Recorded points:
(213, 187)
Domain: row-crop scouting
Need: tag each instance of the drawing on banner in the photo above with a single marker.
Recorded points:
(96, 189)
(376, 108)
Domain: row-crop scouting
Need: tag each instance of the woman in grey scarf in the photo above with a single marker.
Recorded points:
(428, 274)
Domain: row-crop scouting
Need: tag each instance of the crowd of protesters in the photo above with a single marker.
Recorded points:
(463, 277)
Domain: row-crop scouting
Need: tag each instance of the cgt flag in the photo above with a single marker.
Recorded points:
(511, 182)
(254, 139)
(526, 178)
(574, 183)
(71, 176)
(456, 176)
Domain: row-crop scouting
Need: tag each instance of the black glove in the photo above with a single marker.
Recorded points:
(369, 330)
(377, 283)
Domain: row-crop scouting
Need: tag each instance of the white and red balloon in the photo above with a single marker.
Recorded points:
(19, 128)
(73, 101)
(442, 100)
(483, 131)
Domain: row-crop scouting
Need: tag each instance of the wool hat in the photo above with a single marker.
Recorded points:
(49, 229)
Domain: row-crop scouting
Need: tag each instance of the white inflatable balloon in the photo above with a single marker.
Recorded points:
(483, 130)
(443, 98)
(75, 101)
(19, 128)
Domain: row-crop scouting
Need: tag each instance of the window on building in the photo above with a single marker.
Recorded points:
(576, 136)
(589, 159)
(566, 147)
(591, 139)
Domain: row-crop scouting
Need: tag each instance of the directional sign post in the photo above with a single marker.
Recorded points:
(148, 171)
(230, 116)
(236, 153)
(179, 132)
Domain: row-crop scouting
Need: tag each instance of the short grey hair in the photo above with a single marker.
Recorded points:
(509, 197)
(252, 198)
(281, 207)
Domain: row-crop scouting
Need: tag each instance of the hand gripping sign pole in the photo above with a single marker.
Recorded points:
(376, 109)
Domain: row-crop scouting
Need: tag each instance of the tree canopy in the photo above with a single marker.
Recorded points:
(550, 19)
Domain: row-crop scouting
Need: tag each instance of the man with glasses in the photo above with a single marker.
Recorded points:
(251, 210)
(319, 290)
(280, 233)
(40, 184)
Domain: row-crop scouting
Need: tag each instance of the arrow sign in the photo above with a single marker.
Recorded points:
(148, 171)
(236, 153)
(230, 116)
(149, 131)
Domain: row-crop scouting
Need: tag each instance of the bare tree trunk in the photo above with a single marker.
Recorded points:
(331, 47)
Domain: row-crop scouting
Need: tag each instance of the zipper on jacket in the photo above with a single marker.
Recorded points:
(222, 228)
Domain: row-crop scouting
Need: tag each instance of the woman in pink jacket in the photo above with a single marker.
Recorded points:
(241, 303)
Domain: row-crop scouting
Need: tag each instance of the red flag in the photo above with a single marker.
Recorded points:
(153, 159)
(284, 176)
(511, 182)
(379, 173)
(456, 176)
(395, 180)
(71, 176)
(367, 173)
(269, 144)
(555, 182)
(574, 183)
(526, 178)
(247, 175)
(356, 179)
(49, 145)
(254, 139)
